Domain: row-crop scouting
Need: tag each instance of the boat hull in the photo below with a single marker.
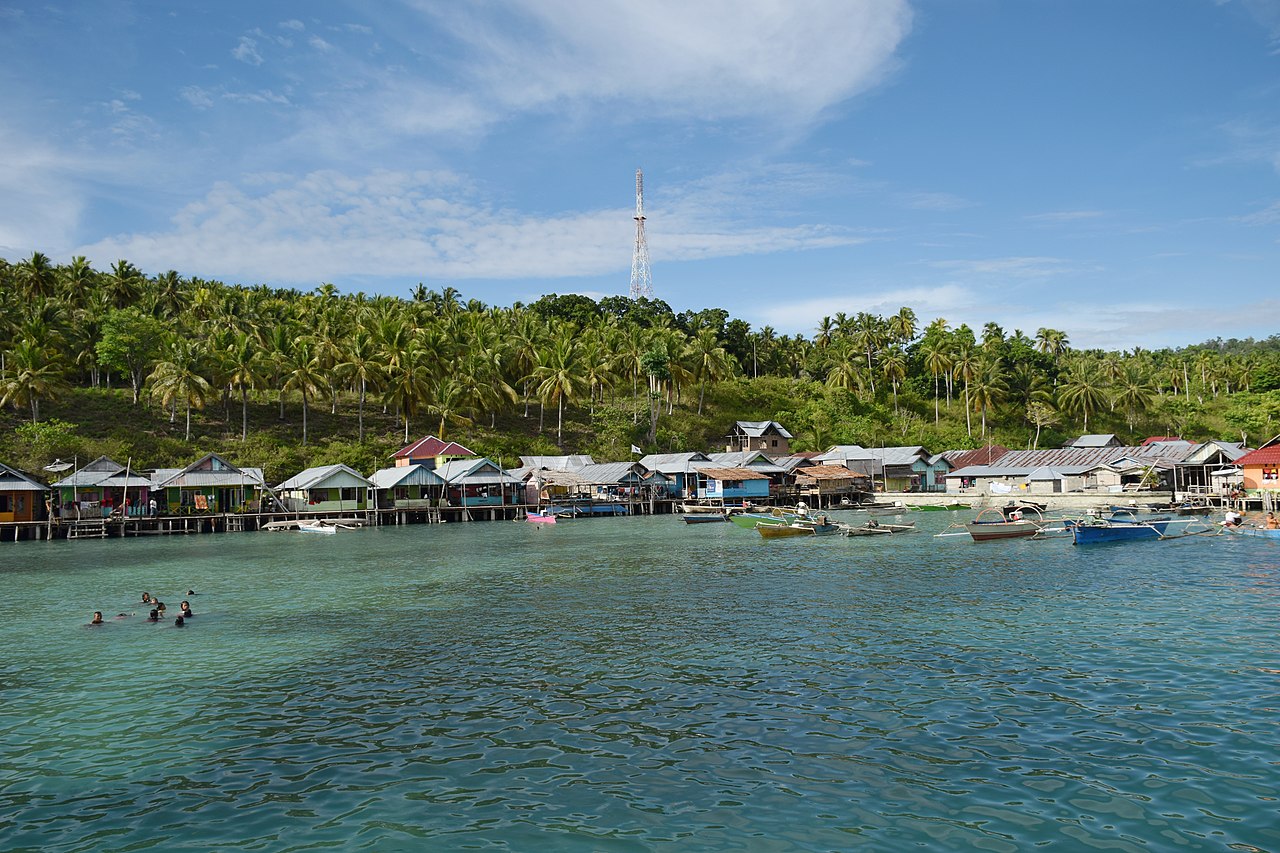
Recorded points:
(780, 531)
(751, 520)
(318, 528)
(989, 531)
(1262, 532)
(1094, 534)
(704, 519)
(540, 518)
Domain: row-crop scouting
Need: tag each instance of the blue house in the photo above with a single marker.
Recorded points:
(732, 484)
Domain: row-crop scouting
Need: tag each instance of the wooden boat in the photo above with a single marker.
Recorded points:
(886, 509)
(1004, 523)
(874, 528)
(1097, 532)
(817, 527)
(1262, 532)
(704, 519)
(540, 517)
(749, 520)
(938, 507)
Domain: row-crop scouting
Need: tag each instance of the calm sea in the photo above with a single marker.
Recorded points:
(636, 684)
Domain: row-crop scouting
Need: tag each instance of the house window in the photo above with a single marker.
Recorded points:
(1271, 473)
(732, 484)
(349, 494)
(6, 503)
(775, 442)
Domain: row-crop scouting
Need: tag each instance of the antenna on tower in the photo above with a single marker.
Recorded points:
(641, 279)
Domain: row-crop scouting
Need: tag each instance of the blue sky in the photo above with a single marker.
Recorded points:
(1109, 169)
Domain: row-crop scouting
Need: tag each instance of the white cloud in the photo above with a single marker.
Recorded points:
(42, 203)
(328, 225)
(713, 59)
(247, 51)
(196, 97)
(802, 315)
(292, 24)
(1031, 267)
(932, 201)
(320, 44)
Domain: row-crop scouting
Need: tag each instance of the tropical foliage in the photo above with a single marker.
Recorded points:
(279, 376)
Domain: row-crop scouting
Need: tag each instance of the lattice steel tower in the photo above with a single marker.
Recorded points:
(641, 279)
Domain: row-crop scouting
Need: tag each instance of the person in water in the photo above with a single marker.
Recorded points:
(159, 605)
(146, 598)
(97, 618)
(179, 622)
(153, 616)
(191, 592)
(185, 608)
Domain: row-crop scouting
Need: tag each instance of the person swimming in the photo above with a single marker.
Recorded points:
(146, 598)
(153, 616)
(179, 622)
(97, 618)
(185, 608)
(159, 606)
(191, 592)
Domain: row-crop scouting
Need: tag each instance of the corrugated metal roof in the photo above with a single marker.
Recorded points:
(1261, 456)
(723, 474)
(980, 456)
(406, 475)
(790, 464)
(842, 451)
(326, 476)
(556, 463)
(611, 473)
(1101, 440)
(753, 459)
(480, 471)
(431, 447)
(201, 479)
(13, 480)
(673, 463)
(755, 429)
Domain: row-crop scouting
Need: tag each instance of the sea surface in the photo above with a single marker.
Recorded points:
(636, 685)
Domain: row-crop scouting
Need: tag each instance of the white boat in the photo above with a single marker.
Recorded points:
(317, 527)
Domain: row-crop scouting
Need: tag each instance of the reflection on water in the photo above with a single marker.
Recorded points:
(639, 685)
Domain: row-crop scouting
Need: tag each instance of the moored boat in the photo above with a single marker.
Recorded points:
(876, 528)
(938, 507)
(750, 520)
(1117, 530)
(540, 517)
(1265, 533)
(818, 527)
(317, 527)
(1008, 522)
(704, 518)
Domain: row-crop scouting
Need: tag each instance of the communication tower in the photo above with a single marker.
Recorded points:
(641, 279)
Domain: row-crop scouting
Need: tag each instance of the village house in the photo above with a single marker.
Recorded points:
(407, 487)
(101, 489)
(22, 498)
(431, 452)
(210, 484)
(679, 469)
(768, 436)
(326, 488)
(731, 484)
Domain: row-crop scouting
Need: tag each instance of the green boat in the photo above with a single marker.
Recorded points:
(749, 520)
(938, 507)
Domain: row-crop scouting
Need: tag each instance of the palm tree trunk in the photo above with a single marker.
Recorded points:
(362, 392)
(188, 420)
(304, 418)
(968, 420)
(244, 413)
(935, 399)
(560, 419)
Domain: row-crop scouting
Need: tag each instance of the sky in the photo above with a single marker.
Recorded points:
(1105, 168)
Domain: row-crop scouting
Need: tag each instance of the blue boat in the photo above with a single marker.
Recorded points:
(1118, 530)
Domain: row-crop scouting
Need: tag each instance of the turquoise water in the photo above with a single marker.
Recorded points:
(636, 684)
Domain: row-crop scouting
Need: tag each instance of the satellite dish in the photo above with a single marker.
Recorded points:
(57, 466)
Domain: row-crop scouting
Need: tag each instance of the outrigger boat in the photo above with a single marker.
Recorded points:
(704, 519)
(938, 507)
(1007, 522)
(540, 517)
(750, 520)
(1117, 530)
(875, 528)
(818, 527)
(1265, 533)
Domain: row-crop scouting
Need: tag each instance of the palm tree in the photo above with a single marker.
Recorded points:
(245, 372)
(937, 361)
(32, 375)
(903, 325)
(845, 373)
(302, 374)
(359, 364)
(1134, 392)
(1081, 392)
(868, 336)
(1041, 414)
(560, 377)
(409, 382)
(893, 362)
(178, 377)
(447, 401)
(711, 361)
(964, 366)
(988, 389)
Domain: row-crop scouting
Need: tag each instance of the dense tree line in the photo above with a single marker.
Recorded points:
(438, 363)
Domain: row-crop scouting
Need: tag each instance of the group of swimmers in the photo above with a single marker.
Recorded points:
(157, 611)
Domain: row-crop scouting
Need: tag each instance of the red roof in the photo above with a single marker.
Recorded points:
(1262, 456)
(431, 447)
(1158, 438)
(982, 456)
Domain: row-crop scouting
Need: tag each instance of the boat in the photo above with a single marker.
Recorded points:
(540, 517)
(938, 507)
(704, 519)
(885, 509)
(1007, 522)
(317, 527)
(1265, 533)
(1117, 530)
(749, 520)
(818, 527)
(875, 528)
